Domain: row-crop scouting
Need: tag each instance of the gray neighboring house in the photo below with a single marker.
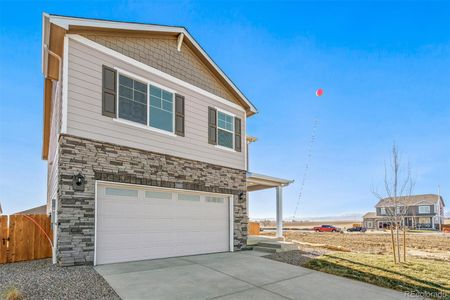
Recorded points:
(38, 210)
(145, 139)
(420, 212)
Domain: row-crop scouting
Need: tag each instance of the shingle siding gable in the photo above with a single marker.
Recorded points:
(162, 54)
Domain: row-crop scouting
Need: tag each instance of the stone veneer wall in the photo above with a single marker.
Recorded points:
(108, 162)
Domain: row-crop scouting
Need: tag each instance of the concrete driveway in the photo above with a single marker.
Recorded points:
(239, 275)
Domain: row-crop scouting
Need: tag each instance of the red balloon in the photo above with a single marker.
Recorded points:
(319, 92)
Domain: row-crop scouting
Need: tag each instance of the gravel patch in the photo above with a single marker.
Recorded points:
(295, 257)
(40, 279)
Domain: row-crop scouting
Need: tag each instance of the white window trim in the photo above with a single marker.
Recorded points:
(424, 213)
(225, 148)
(382, 210)
(148, 83)
(232, 132)
(144, 127)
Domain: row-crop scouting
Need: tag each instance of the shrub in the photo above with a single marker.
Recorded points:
(12, 293)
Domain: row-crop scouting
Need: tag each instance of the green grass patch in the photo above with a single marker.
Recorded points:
(416, 275)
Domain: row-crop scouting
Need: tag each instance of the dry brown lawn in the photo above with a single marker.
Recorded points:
(424, 245)
(368, 257)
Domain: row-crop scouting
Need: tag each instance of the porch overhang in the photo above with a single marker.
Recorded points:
(257, 182)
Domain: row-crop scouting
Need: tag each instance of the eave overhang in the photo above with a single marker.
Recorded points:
(256, 182)
(74, 24)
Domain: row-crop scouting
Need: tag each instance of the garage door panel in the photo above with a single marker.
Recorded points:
(117, 206)
(131, 241)
(134, 225)
(158, 223)
(123, 255)
(189, 213)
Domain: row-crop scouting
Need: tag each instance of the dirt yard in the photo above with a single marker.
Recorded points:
(343, 224)
(423, 245)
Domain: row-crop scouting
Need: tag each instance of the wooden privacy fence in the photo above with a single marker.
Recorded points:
(25, 237)
(253, 228)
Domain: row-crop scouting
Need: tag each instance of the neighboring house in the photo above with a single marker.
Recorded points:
(417, 211)
(145, 139)
(38, 210)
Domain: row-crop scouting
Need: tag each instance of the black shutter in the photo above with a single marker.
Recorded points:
(179, 115)
(212, 126)
(109, 92)
(237, 135)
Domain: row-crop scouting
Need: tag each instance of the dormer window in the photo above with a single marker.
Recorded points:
(382, 211)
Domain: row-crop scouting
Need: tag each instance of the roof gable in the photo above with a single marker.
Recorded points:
(222, 85)
(160, 52)
(427, 199)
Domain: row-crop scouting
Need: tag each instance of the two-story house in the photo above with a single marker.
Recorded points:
(145, 138)
(417, 211)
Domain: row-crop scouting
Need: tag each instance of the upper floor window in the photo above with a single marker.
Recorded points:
(132, 100)
(225, 129)
(161, 109)
(154, 110)
(401, 210)
(424, 209)
(382, 210)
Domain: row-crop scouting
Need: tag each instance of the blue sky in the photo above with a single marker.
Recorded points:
(384, 66)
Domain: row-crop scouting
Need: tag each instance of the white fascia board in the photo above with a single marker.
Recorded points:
(65, 22)
(87, 42)
(45, 40)
(267, 180)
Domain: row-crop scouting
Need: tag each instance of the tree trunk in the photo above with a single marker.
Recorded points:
(398, 242)
(393, 244)
(404, 243)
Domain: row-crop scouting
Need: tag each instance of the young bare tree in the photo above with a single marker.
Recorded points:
(398, 188)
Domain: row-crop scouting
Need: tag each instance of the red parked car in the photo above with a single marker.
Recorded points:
(326, 228)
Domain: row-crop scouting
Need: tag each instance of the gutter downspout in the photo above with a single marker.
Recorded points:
(47, 50)
(58, 90)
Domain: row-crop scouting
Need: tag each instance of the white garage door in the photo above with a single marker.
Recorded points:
(135, 223)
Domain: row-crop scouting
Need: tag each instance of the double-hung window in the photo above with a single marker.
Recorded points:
(145, 104)
(225, 130)
(424, 209)
(161, 109)
(132, 100)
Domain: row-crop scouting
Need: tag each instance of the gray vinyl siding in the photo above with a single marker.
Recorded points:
(85, 113)
(412, 211)
(53, 156)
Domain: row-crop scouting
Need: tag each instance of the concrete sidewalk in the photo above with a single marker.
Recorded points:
(239, 275)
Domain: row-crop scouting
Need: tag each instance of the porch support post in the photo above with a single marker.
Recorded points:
(279, 191)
